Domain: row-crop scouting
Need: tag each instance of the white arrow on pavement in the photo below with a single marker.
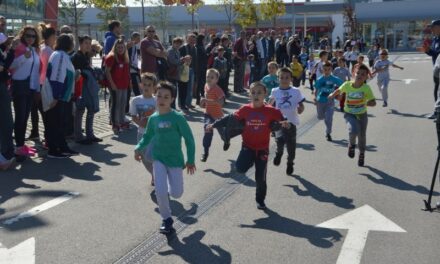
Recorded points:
(359, 222)
(23, 253)
(408, 81)
(41, 208)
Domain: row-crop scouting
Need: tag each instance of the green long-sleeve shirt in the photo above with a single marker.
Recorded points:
(165, 132)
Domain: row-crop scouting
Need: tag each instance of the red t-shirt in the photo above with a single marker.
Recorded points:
(120, 72)
(256, 132)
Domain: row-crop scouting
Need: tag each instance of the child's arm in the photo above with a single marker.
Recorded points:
(397, 66)
(141, 122)
(371, 102)
(143, 143)
(187, 135)
(334, 94)
(301, 107)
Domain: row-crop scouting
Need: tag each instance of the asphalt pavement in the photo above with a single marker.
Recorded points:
(100, 208)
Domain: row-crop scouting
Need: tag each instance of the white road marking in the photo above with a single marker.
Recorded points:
(359, 222)
(41, 208)
(23, 253)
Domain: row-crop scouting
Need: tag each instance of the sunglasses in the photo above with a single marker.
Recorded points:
(151, 31)
(30, 36)
(384, 54)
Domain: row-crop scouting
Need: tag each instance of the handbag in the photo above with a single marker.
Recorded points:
(184, 73)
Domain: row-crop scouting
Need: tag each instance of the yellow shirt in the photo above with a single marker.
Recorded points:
(297, 69)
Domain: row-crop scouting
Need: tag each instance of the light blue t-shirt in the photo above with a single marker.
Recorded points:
(270, 81)
(326, 85)
(383, 65)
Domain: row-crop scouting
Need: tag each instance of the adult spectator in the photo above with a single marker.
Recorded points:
(87, 97)
(239, 58)
(6, 121)
(293, 47)
(434, 51)
(263, 52)
(133, 55)
(151, 50)
(338, 43)
(113, 33)
(271, 36)
(202, 62)
(46, 48)
(190, 49)
(60, 74)
(281, 53)
(211, 50)
(25, 83)
(225, 43)
(174, 64)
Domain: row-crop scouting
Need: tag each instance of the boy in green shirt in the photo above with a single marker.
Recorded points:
(162, 141)
(358, 96)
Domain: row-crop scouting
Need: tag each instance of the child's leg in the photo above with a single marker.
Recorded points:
(362, 136)
(290, 139)
(436, 85)
(161, 187)
(207, 137)
(260, 175)
(245, 160)
(329, 110)
(279, 139)
(175, 179)
(352, 125)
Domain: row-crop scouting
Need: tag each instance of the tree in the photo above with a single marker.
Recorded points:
(70, 14)
(192, 6)
(246, 13)
(112, 10)
(159, 15)
(228, 7)
(271, 9)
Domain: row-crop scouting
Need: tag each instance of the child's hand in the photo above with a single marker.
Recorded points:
(190, 168)
(149, 112)
(209, 128)
(401, 68)
(314, 100)
(285, 124)
(137, 156)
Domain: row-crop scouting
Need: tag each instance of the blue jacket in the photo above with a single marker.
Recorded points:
(110, 39)
(434, 50)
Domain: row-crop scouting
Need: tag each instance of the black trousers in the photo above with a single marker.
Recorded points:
(6, 123)
(22, 99)
(37, 106)
(56, 118)
(246, 159)
(183, 90)
(287, 137)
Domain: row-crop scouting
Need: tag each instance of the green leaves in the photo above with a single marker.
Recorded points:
(246, 13)
(271, 9)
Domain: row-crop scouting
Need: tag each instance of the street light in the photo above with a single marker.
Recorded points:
(293, 18)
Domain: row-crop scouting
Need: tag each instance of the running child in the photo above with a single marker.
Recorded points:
(141, 108)
(258, 118)
(163, 137)
(358, 97)
(297, 71)
(289, 100)
(382, 68)
(344, 74)
(324, 86)
(213, 102)
(271, 80)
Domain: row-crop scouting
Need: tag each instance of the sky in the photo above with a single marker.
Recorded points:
(210, 2)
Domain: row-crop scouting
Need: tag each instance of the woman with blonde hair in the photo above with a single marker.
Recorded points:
(117, 72)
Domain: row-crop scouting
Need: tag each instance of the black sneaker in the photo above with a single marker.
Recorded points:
(69, 152)
(85, 141)
(385, 104)
(361, 160)
(277, 159)
(56, 155)
(261, 205)
(204, 157)
(95, 139)
(167, 226)
(329, 137)
(289, 169)
(226, 146)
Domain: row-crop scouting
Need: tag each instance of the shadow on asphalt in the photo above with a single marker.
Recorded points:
(178, 210)
(396, 112)
(319, 194)
(384, 178)
(317, 236)
(192, 250)
(305, 146)
(233, 174)
(344, 143)
(98, 153)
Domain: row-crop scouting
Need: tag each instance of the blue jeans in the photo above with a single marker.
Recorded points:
(189, 92)
(7, 123)
(246, 159)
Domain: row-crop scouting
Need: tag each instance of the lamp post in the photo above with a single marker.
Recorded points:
(293, 18)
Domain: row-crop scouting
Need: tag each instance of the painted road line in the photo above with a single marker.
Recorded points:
(41, 208)
(359, 222)
(23, 253)
(148, 248)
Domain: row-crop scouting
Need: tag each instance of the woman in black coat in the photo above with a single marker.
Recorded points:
(202, 67)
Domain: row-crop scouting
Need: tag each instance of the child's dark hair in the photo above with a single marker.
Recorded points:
(257, 83)
(149, 76)
(342, 60)
(285, 70)
(365, 68)
(323, 53)
(167, 86)
(327, 64)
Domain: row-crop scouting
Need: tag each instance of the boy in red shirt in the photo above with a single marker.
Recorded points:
(258, 118)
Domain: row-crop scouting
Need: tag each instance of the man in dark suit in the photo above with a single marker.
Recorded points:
(239, 53)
